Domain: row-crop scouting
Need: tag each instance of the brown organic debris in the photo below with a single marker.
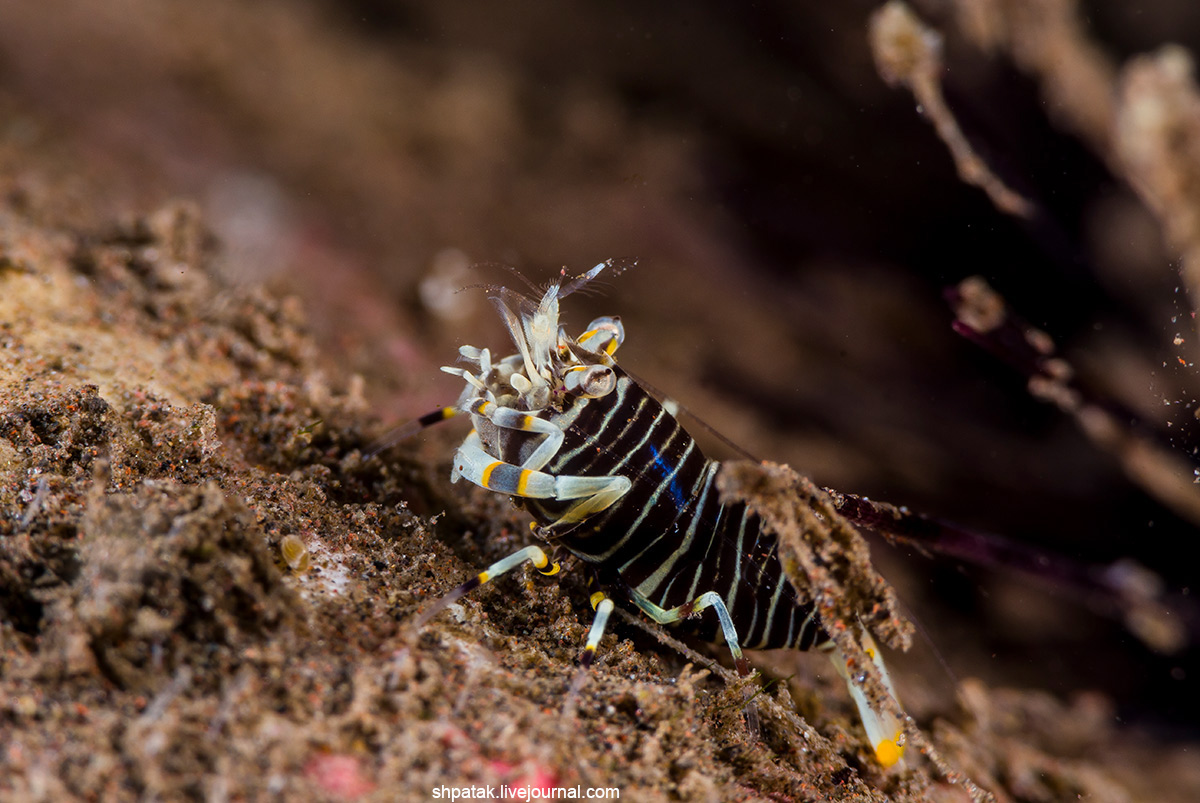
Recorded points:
(827, 561)
(909, 53)
(1158, 142)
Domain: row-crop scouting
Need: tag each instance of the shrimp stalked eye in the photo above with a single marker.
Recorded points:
(590, 382)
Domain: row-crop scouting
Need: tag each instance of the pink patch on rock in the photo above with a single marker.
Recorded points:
(340, 776)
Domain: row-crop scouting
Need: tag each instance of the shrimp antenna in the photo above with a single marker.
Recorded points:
(533, 288)
(616, 267)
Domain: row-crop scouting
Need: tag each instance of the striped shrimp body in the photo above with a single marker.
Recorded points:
(610, 475)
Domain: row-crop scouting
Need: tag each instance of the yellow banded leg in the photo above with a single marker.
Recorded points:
(472, 463)
(408, 430)
(603, 606)
(884, 731)
(533, 554)
(509, 418)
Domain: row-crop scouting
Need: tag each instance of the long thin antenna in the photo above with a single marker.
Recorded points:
(675, 408)
(533, 288)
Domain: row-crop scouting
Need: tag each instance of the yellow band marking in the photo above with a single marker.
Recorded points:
(522, 482)
(587, 336)
(611, 347)
(483, 577)
(541, 564)
(888, 753)
(487, 473)
(597, 598)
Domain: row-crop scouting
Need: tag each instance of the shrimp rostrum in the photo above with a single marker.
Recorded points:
(609, 475)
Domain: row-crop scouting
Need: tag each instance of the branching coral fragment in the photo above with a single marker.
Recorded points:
(909, 53)
(1158, 143)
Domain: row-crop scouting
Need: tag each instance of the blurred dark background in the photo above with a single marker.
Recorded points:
(796, 222)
